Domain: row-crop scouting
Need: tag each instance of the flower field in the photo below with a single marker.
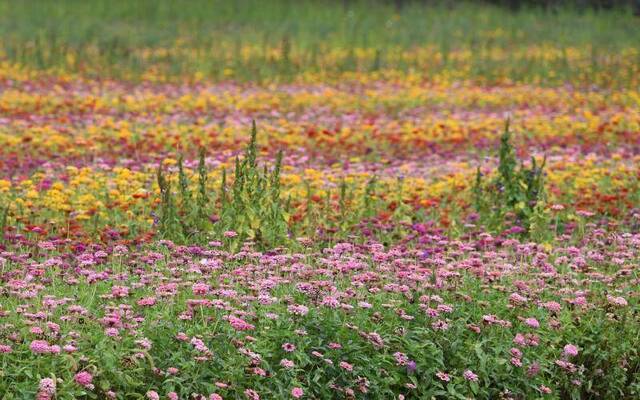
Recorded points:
(444, 213)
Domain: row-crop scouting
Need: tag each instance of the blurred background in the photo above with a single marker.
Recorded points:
(284, 39)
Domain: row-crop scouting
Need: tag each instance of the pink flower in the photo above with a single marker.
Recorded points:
(443, 376)
(346, 366)
(533, 369)
(153, 395)
(552, 306)
(532, 322)
(401, 358)
(172, 396)
(515, 352)
(200, 288)
(48, 386)
(83, 378)
(215, 396)
(617, 301)
(112, 332)
(286, 363)
(570, 350)
(297, 392)
(251, 394)
(40, 347)
(470, 376)
(298, 309)
(239, 324)
(147, 301)
(5, 349)
(289, 347)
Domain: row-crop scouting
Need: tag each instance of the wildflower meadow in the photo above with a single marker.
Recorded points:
(319, 200)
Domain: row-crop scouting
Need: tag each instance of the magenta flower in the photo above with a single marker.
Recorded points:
(239, 324)
(40, 347)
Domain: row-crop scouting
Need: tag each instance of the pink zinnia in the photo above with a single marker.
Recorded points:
(443, 376)
(545, 389)
(83, 378)
(239, 324)
(153, 395)
(147, 301)
(297, 392)
(470, 376)
(289, 347)
(252, 394)
(200, 288)
(48, 386)
(346, 366)
(617, 300)
(286, 363)
(39, 347)
(571, 350)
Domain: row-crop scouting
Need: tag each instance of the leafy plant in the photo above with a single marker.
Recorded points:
(251, 207)
(515, 190)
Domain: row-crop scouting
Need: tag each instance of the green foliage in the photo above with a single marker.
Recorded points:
(251, 207)
(169, 225)
(4, 217)
(515, 191)
(254, 209)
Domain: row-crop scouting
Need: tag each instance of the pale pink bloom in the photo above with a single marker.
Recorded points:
(617, 300)
(285, 363)
(297, 392)
(346, 366)
(470, 376)
(251, 394)
(570, 350)
(443, 376)
(153, 395)
(48, 386)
